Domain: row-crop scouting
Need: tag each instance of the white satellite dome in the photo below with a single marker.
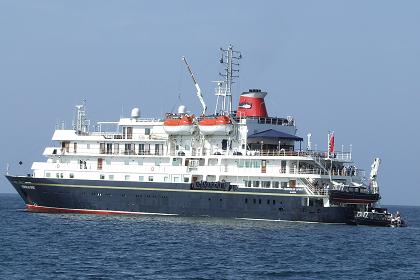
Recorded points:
(135, 113)
(182, 109)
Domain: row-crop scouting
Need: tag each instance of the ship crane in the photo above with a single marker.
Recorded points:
(374, 175)
(199, 95)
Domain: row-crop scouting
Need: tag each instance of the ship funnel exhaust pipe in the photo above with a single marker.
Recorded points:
(252, 104)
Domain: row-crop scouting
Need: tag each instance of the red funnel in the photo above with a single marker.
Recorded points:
(251, 104)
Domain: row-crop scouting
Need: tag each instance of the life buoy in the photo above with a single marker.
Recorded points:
(58, 165)
(152, 168)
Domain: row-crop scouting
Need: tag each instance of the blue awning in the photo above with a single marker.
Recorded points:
(274, 134)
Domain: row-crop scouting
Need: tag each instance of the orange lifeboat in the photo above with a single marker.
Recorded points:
(179, 124)
(221, 125)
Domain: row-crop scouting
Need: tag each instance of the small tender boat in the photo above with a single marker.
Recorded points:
(221, 125)
(179, 124)
(378, 217)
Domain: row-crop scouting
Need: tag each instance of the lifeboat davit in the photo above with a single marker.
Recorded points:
(221, 125)
(179, 125)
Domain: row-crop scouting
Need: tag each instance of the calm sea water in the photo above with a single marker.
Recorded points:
(66, 246)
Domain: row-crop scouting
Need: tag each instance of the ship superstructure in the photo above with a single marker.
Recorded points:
(234, 163)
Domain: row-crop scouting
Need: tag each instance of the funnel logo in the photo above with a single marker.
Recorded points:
(245, 105)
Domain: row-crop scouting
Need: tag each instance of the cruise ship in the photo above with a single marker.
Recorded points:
(233, 162)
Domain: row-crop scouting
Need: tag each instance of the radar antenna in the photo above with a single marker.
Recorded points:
(230, 60)
(199, 95)
(80, 123)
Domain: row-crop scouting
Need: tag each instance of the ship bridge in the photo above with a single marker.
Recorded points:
(273, 140)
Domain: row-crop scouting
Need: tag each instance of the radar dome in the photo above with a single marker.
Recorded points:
(135, 113)
(182, 109)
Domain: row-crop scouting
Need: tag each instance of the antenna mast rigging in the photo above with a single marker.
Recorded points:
(230, 59)
(81, 123)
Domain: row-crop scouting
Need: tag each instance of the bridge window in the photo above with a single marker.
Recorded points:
(256, 184)
(276, 184)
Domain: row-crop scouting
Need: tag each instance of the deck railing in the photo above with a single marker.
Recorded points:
(282, 152)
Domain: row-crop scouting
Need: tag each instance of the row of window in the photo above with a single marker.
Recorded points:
(130, 149)
(59, 175)
(175, 179)
(253, 201)
(260, 201)
(123, 195)
(127, 132)
(249, 163)
(269, 184)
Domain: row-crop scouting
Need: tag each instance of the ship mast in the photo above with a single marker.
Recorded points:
(81, 123)
(230, 60)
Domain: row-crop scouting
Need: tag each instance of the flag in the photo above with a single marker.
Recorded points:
(331, 144)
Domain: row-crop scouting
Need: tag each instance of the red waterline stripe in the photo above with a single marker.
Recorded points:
(46, 209)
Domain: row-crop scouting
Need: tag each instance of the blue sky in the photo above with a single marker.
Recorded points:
(348, 66)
